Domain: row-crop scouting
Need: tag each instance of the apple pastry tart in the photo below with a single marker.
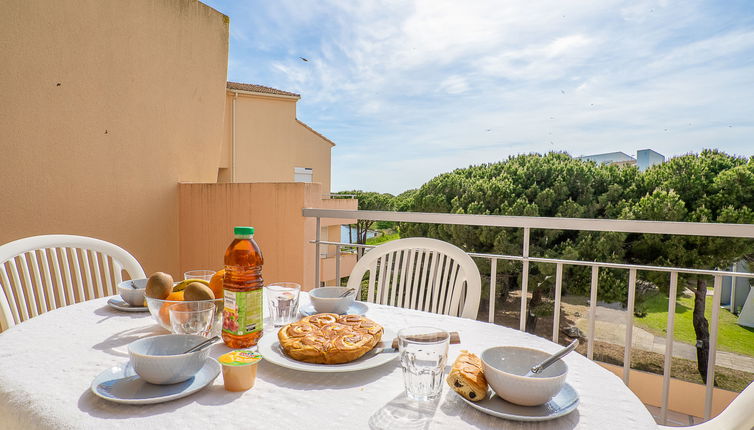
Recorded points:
(329, 338)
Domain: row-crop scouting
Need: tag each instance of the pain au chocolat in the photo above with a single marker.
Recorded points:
(329, 338)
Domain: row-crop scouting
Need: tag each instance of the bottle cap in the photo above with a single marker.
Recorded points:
(243, 230)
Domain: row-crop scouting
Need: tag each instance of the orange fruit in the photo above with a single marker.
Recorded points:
(164, 313)
(216, 284)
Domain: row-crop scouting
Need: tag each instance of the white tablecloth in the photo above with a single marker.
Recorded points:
(48, 362)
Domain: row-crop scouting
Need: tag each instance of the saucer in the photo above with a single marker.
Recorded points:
(121, 384)
(118, 303)
(563, 403)
(356, 308)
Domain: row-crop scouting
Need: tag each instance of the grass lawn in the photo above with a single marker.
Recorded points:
(383, 238)
(731, 336)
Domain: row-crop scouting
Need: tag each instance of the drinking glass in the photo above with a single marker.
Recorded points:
(199, 274)
(192, 317)
(423, 351)
(282, 298)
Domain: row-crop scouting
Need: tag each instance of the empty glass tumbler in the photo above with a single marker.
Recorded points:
(282, 298)
(199, 274)
(192, 317)
(424, 352)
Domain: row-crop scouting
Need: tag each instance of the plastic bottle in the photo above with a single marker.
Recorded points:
(242, 315)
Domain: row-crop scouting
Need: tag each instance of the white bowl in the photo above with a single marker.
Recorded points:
(505, 367)
(327, 299)
(160, 359)
(132, 291)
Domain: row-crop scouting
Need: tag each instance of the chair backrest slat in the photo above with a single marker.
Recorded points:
(98, 273)
(448, 305)
(20, 294)
(88, 274)
(371, 282)
(108, 274)
(59, 285)
(117, 269)
(420, 273)
(7, 296)
(81, 289)
(395, 277)
(416, 275)
(399, 295)
(49, 288)
(41, 273)
(31, 293)
(65, 262)
(37, 281)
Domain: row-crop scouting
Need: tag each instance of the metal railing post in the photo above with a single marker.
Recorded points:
(524, 279)
(493, 281)
(592, 311)
(318, 258)
(629, 324)
(715, 317)
(556, 307)
(668, 347)
(337, 265)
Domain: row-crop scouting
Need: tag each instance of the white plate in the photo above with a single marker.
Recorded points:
(563, 403)
(121, 384)
(357, 308)
(118, 303)
(270, 348)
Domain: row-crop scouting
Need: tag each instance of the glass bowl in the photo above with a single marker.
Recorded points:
(159, 310)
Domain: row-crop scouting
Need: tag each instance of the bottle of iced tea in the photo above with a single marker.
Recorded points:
(242, 316)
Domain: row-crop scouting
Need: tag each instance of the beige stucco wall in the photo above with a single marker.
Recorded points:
(684, 397)
(270, 142)
(106, 106)
(210, 211)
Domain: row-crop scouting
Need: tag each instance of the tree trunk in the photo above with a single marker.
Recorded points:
(531, 318)
(362, 227)
(701, 328)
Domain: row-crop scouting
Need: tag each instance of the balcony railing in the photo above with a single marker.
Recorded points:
(601, 225)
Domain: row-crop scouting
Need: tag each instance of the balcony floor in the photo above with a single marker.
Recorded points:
(675, 419)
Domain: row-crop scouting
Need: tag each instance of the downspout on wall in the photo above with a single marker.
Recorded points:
(233, 139)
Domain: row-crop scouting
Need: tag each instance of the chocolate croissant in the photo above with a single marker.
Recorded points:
(467, 377)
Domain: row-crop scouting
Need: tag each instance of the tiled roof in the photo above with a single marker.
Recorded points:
(259, 89)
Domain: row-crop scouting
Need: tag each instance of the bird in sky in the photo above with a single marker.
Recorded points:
(304, 59)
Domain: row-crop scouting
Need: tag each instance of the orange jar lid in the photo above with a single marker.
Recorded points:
(241, 357)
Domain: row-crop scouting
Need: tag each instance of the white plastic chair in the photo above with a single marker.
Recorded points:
(42, 273)
(421, 273)
(738, 415)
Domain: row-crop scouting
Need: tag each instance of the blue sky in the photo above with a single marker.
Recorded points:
(410, 89)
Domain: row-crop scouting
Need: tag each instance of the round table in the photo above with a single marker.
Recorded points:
(48, 363)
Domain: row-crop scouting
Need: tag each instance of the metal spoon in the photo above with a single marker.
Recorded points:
(552, 359)
(203, 345)
(347, 292)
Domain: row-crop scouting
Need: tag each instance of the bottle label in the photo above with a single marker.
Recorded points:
(243, 312)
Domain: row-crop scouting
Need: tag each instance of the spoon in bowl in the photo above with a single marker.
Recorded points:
(535, 370)
(347, 292)
(203, 345)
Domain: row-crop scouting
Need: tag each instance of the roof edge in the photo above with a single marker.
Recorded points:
(315, 132)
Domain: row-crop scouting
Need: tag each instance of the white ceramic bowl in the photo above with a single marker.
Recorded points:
(133, 291)
(159, 359)
(327, 299)
(505, 367)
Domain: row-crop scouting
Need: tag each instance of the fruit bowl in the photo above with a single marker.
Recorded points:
(159, 310)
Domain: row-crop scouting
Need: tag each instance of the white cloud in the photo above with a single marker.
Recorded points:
(411, 89)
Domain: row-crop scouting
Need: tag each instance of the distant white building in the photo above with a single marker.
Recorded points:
(645, 158)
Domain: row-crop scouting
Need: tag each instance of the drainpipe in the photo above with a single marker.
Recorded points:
(233, 140)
